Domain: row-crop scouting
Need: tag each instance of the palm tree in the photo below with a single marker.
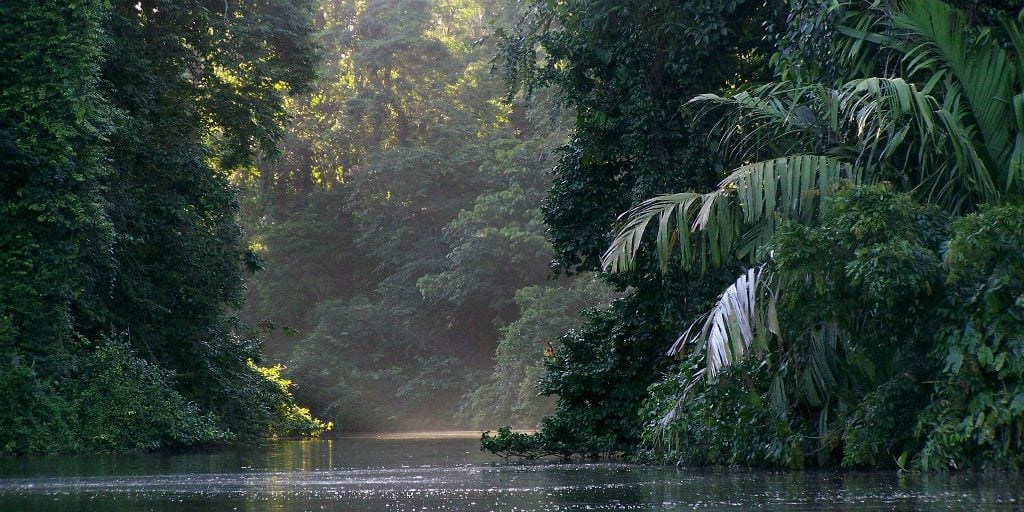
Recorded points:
(950, 131)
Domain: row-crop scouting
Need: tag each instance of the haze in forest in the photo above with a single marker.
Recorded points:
(407, 280)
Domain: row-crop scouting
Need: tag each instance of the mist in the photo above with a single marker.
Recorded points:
(407, 281)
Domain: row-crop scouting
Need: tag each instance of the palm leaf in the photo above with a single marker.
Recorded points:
(892, 115)
(1016, 166)
(876, 115)
(863, 30)
(750, 197)
(818, 375)
(766, 116)
(939, 40)
(741, 322)
(975, 79)
(622, 254)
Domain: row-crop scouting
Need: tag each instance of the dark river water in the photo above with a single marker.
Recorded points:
(373, 474)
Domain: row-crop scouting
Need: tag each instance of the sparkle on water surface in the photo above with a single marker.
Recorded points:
(447, 472)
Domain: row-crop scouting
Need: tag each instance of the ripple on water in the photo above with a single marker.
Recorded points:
(325, 476)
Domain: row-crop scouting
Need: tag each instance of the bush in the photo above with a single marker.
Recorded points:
(878, 431)
(104, 398)
(27, 404)
(600, 374)
(726, 422)
(976, 417)
(507, 443)
(119, 402)
(99, 399)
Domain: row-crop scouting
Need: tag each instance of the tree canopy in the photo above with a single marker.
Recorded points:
(835, 192)
(122, 259)
(848, 227)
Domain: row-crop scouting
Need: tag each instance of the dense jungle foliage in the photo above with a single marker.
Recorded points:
(121, 256)
(861, 174)
(775, 233)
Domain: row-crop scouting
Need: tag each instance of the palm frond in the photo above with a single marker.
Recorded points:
(938, 41)
(895, 123)
(818, 375)
(792, 186)
(734, 220)
(877, 117)
(892, 115)
(1015, 171)
(1015, 176)
(971, 173)
(622, 253)
(741, 322)
(863, 27)
(766, 116)
(1016, 32)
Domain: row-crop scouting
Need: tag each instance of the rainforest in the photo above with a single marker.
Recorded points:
(772, 233)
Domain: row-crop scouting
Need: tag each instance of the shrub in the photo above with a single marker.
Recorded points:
(726, 422)
(976, 417)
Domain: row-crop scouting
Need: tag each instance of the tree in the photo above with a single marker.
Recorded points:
(879, 129)
(623, 69)
(199, 88)
(55, 250)
(941, 127)
(125, 250)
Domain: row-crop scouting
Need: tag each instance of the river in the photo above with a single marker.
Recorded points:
(451, 474)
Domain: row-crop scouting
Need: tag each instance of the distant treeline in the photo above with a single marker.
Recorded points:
(121, 256)
(407, 267)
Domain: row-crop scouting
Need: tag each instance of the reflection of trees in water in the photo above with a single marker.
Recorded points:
(372, 474)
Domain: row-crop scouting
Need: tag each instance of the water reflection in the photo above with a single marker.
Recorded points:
(452, 474)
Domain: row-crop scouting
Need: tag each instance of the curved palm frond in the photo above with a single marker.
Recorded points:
(766, 116)
(982, 107)
(709, 228)
(622, 253)
(1015, 169)
(741, 322)
(984, 71)
(896, 123)
(892, 115)
(883, 109)
(874, 117)
(1015, 176)
(818, 376)
(981, 112)
(971, 172)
